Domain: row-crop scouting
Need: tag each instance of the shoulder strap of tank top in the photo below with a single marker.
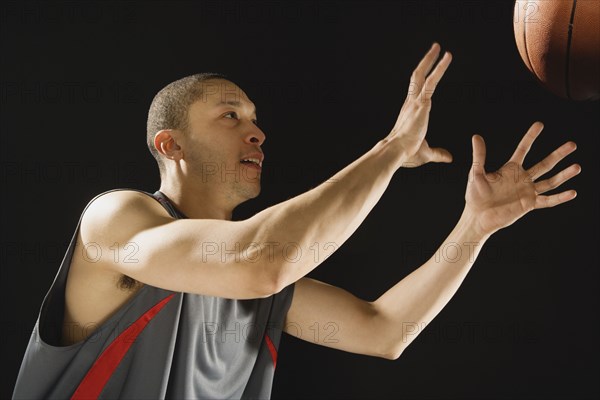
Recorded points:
(166, 203)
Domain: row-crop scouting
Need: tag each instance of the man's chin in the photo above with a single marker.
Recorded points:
(257, 191)
(252, 189)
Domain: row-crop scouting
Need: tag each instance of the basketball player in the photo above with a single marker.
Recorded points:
(162, 295)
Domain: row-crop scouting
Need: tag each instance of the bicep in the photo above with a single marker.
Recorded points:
(136, 237)
(333, 317)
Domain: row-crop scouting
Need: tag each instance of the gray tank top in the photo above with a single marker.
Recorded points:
(159, 345)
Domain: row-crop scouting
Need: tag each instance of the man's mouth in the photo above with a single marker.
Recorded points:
(252, 163)
(253, 160)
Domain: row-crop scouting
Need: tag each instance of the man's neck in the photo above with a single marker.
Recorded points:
(198, 202)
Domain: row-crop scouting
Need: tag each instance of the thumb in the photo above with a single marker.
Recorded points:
(478, 154)
(440, 155)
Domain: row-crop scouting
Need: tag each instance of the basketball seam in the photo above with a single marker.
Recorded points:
(531, 67)
(525, 45)
(569, 36)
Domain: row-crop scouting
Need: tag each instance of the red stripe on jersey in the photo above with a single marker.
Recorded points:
(272, 349)
(94, 381)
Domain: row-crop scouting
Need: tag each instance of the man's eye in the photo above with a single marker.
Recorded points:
(234, 113)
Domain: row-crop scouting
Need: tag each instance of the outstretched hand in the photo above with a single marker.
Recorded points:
(498, 199)
(411, 125)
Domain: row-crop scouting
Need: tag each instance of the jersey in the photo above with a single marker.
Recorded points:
(159, 345)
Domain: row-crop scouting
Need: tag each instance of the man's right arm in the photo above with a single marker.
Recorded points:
(261, 255)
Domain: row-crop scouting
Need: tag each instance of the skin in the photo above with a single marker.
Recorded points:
(327, 214)
(219, 136)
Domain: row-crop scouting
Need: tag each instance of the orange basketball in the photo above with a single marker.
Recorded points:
(559, 42)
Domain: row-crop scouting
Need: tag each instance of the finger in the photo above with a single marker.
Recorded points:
(440, 155)
(478, 154)
(551, 160)
(526, 142)
(558, 179)
(432, 80)
(426, 63)
(555, 199)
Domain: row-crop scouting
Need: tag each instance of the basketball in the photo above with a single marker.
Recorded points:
(559, 42)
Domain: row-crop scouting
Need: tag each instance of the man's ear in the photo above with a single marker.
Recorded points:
(165, 142)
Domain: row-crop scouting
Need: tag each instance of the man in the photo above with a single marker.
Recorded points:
(163, 296)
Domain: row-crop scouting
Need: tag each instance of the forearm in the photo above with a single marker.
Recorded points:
(405, 310)
(309, 227)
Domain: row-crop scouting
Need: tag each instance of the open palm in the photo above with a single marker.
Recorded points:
(411, 125)
(498, 199)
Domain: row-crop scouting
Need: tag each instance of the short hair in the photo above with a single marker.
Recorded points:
(169, 108)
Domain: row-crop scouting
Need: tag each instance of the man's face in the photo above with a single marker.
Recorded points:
(222, 132)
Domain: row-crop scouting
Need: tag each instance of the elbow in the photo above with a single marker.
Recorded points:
(264, 262)
(267, 289)
(388, 347)
(268, 281)
(275, 282)
(391, 344)
(273, 276)
(393, 349)
(393, 354)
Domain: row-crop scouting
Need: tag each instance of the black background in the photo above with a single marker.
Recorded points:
(328, 79)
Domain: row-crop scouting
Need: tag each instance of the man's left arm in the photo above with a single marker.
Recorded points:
(330, 316)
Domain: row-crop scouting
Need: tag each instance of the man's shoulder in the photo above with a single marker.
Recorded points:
(121, 198)
(123, 210)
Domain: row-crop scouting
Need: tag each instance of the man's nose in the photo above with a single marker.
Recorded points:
(255, 135)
